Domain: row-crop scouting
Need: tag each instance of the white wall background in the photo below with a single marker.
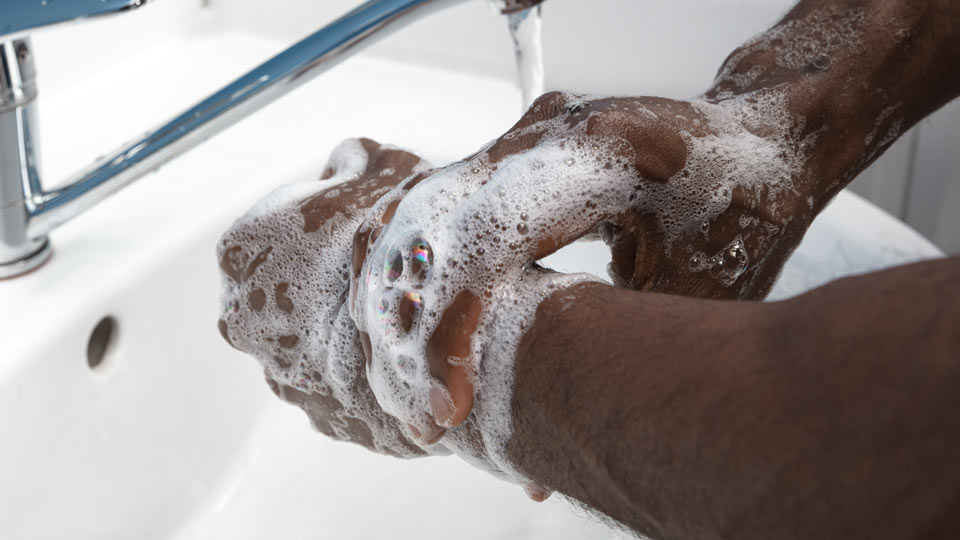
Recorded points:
(669, 48)
(659, 47)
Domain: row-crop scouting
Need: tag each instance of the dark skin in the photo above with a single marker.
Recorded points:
(751, 420)
(797, 419)
(831, 415)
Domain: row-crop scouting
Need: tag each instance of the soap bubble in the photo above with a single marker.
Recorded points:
(383, 307)
(421, 258)
(409, 308)
(392, 266)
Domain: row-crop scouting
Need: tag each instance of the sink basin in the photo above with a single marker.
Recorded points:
(122, 412)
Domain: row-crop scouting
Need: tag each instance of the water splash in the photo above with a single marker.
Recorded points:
(526, 29)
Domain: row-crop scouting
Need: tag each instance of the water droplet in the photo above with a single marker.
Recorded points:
(524, 216)
(735, 257)
(522, 228)
(570, 161)
(726, 266)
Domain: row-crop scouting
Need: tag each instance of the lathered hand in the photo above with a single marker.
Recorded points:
(285, 271)
(422, 353)
(694, 198)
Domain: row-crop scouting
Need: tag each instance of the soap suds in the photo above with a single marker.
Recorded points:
(471, 234)
(487, 220)
(808, 44)
(286, 276)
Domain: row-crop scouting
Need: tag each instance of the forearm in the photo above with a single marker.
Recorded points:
(856, 74)
(824, 416)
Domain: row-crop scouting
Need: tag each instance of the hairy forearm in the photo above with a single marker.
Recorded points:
(856, 75)
(832, 415)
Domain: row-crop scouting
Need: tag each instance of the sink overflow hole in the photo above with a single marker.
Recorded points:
(101, 341)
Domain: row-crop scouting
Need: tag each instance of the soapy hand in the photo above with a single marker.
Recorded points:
(693, 198)
(388, 300)
(285, 268)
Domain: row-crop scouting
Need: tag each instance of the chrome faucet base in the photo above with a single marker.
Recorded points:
(27, 264)
(18, 163)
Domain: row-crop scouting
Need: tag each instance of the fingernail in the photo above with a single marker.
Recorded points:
(435, 436)
(536, 492)
(431, 437)
(443, 411)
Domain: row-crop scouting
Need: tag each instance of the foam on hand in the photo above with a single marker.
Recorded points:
(405, 283)
(285, 278)
(475, 230)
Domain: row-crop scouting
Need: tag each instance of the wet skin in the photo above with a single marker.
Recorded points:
(658, 154)
(248, 256)
(898, 69)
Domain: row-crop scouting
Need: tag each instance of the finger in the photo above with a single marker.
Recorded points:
(557, 193)
(449, 356)
(431, 436)
(353, 158)
(349, 159)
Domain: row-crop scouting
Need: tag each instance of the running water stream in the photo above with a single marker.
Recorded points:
(526, 30)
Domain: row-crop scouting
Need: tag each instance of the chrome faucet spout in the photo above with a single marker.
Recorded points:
(17, 17)
(28, 213)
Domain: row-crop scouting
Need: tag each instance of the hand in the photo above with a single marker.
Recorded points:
(694, 198)
(285, 278)
(698, 198)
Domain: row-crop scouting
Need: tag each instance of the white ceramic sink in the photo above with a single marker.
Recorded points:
(174, 435)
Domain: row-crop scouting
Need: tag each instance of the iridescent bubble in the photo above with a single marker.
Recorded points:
(383, 307)
(392, 266)
(413, 297)
(410, 306)
(421, 258)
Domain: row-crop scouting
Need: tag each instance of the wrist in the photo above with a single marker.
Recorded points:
(855, 75)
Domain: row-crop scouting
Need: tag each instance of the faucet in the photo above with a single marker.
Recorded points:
(28, 212)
